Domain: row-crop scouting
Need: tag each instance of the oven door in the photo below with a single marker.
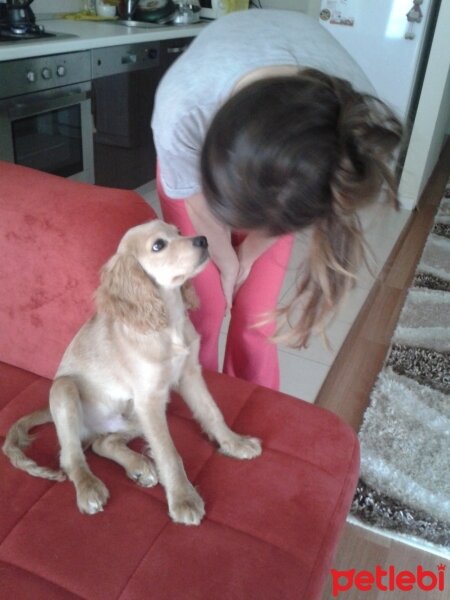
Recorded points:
(50, 131)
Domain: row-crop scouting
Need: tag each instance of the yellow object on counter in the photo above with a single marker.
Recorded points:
(84, 15)
(233, 5)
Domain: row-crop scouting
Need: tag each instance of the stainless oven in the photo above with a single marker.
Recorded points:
(45, 114)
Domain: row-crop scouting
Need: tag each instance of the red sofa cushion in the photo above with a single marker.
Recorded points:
(271, 524)
(55, 234)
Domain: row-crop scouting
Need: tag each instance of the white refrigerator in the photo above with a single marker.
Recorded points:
(389, 39)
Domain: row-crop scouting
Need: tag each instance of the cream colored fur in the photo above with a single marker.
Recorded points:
(115, 377)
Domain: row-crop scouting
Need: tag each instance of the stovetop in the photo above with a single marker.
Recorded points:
(34, 33)
(25, 29)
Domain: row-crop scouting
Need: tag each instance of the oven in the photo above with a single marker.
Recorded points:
(45, 114)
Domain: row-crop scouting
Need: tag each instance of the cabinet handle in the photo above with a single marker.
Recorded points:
(31, 107)
(176, 50)
(129, 59)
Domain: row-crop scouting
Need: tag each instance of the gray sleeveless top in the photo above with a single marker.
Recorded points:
(202, 79)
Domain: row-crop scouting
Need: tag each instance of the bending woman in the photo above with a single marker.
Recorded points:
(263, 128)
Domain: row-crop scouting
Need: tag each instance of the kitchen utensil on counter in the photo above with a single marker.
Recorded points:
(18, 23)
(19, 14)
(105, 9)
(188, 12)
(155, 11)
(126, 9)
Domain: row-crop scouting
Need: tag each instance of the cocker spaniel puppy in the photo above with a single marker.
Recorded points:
(114, 380)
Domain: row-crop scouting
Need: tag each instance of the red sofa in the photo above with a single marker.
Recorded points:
(271, 525)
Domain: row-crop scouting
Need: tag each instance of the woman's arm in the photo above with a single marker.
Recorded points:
(234, 268)
(219, 242)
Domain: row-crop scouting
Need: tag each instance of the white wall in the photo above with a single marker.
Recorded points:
(56, 6)
(432, 118)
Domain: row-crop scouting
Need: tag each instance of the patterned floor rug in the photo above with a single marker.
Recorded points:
(404, 485)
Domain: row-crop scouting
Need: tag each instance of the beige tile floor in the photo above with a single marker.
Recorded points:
(303, 371)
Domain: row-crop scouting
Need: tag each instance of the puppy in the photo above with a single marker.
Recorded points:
(114, 380)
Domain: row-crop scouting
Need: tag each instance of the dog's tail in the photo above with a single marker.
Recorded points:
(18, 438)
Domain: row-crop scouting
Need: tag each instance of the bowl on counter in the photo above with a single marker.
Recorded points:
(105, 10)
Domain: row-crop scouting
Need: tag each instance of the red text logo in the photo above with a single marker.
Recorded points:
(388, 580)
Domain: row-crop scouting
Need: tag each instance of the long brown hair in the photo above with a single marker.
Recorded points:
(296, 152)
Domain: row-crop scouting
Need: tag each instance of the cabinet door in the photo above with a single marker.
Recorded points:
(124, 152)
(123, 105)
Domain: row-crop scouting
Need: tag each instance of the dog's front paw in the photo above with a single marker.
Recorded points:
(92, 494)
(242, 447)
(143, 472)
(187, 507)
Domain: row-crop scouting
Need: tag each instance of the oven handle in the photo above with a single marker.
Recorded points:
(35, 106)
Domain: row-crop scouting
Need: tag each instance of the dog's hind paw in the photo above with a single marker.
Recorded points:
(187, 507)
(242, 447)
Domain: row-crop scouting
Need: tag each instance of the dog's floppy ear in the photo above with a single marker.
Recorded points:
(127, 293)
(190, 298)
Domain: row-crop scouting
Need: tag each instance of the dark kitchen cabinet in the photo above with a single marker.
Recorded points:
(123, 90)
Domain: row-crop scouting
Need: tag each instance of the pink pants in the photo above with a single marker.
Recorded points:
(249, 354)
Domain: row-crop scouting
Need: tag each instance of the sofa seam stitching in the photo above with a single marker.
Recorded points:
(27, 570)
(192, 482)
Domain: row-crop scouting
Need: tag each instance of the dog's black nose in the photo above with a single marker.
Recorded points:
(200, 242)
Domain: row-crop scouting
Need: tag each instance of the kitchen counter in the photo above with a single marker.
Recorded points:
(92, 34)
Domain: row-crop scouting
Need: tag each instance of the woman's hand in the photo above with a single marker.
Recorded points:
(255, 244)
(234, 267)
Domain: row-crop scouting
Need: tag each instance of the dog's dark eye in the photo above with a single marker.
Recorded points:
(159, 245)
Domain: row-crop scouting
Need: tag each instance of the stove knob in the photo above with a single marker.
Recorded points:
(31, 76)
(46, 73)
(60, 70)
